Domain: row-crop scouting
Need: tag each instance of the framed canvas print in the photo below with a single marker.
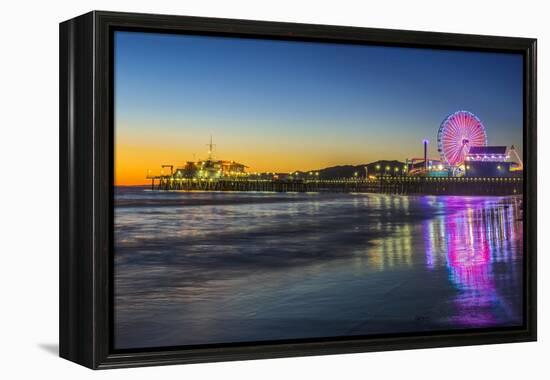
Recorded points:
(237, 189)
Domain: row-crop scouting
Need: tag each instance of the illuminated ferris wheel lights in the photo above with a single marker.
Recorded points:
(457, 133)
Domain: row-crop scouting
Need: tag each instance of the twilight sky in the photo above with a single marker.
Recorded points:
(284, 106)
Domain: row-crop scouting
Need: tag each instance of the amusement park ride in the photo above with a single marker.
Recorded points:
(460, 133)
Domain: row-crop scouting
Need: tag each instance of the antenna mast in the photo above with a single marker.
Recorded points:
(210, 148)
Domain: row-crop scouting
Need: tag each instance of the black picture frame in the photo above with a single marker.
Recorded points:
(86, 187)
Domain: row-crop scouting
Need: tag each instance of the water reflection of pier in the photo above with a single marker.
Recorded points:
(386, 185)
(479, 248)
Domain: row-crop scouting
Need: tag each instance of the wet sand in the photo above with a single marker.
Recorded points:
(208, 268)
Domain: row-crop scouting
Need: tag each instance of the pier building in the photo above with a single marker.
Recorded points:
(490, 161)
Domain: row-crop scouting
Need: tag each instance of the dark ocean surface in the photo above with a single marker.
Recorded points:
(217, 267)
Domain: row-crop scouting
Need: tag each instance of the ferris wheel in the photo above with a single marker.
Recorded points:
(457, 133)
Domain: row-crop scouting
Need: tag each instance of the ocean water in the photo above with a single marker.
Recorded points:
(217, 267)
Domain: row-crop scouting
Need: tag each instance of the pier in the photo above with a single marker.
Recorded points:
(386, 185)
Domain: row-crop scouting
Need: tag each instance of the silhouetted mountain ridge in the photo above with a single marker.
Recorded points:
(347, 171)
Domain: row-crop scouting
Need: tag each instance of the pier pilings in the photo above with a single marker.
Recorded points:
(385, 185)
